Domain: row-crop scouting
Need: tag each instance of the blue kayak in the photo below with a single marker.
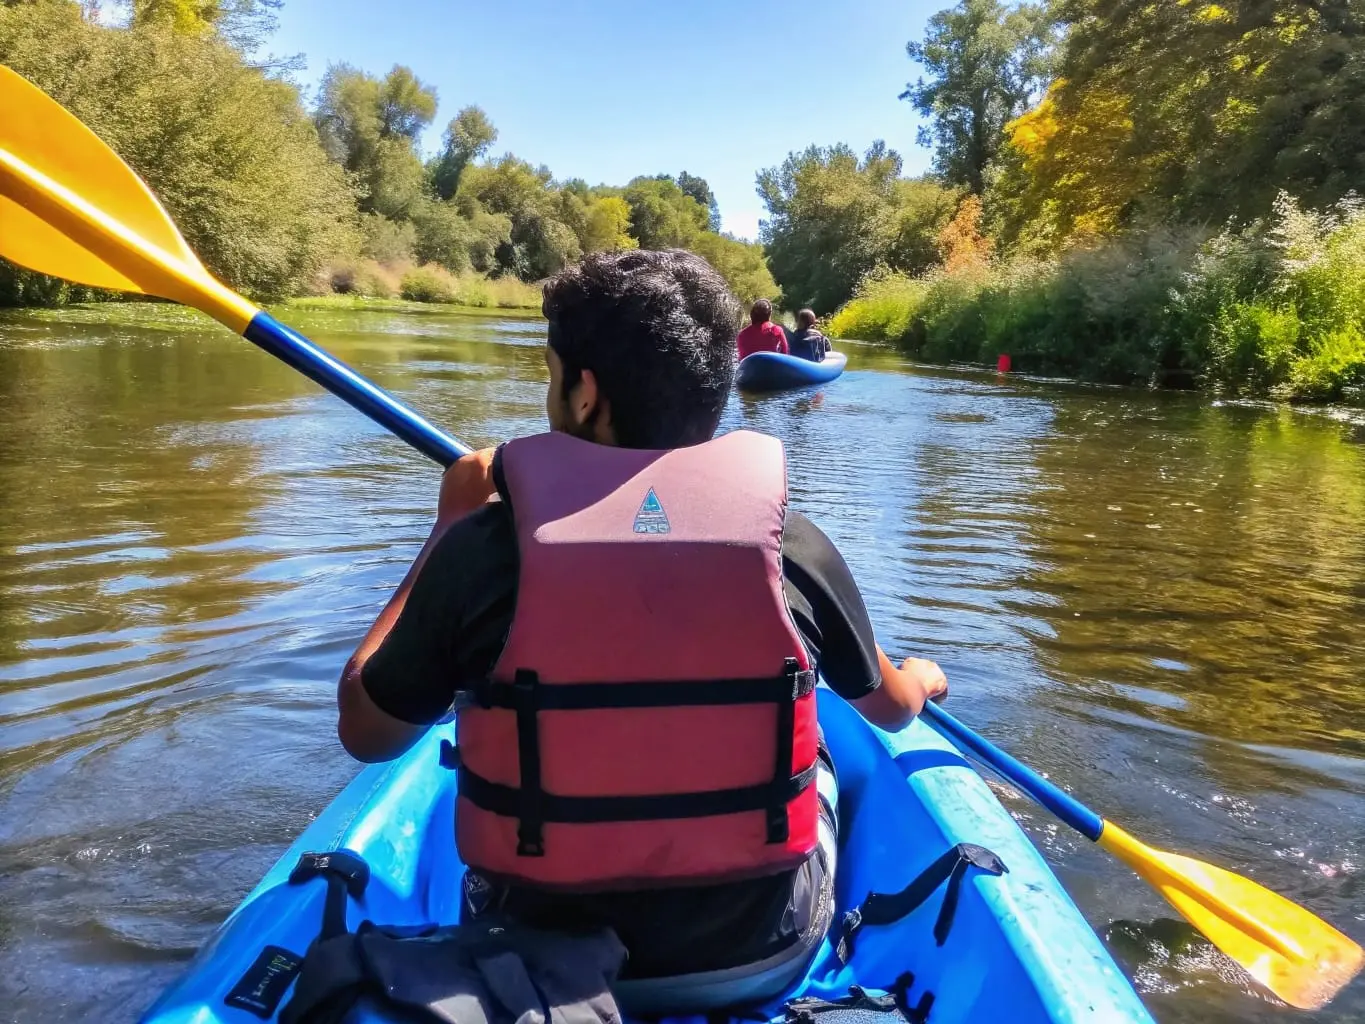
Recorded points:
(1017, 950)
(773, 371)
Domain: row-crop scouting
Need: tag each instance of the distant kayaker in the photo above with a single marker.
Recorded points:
(806, 342)
(603, 592)
(762, 335)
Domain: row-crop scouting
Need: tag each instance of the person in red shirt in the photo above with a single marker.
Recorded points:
(762, 335)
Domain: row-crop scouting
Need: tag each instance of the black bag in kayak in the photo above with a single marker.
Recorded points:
(481, 973)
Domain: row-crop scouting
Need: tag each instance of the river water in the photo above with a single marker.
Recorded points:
(1154, 599)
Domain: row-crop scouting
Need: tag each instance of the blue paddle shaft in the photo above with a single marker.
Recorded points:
(1068, 808)
(293, 348)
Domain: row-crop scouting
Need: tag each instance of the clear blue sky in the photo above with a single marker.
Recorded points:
(607, 89)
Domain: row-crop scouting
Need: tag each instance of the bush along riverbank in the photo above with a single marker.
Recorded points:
(1276, 308)
(369, 279)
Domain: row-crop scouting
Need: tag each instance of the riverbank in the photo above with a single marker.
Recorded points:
(168, 316)
(1275, 310)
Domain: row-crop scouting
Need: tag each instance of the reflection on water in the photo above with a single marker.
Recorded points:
(1149, 598)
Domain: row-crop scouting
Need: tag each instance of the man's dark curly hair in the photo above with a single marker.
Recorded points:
(657, 329)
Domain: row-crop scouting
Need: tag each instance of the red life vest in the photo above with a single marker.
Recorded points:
(651, 720)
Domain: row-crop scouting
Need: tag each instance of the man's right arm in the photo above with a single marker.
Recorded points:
(903, 691)
(833, 619)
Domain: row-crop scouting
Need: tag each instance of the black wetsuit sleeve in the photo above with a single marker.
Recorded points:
(455, 621)
(829, 609)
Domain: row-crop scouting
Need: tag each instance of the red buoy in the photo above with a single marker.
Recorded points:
(1002, 365)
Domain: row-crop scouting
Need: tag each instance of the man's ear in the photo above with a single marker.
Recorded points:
(583, 398)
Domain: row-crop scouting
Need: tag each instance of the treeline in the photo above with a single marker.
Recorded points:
(1139, 192)
(279, 199)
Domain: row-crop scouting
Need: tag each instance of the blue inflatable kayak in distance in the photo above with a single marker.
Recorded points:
(1016, 950)
(773, 371)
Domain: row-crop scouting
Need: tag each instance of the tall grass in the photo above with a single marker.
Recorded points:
(1275, 308)
(431, 283)
(369, 279)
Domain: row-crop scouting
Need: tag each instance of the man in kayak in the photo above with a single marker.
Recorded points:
(762, 335)
(641, 358)
(806, 342)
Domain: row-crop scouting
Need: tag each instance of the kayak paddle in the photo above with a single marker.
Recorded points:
(1293, 953)
(69, 207)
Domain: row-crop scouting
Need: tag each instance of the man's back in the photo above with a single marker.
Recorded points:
(453, 630)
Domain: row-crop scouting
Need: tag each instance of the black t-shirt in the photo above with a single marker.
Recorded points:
(452, 630)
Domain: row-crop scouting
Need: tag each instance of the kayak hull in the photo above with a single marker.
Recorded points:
(1018, 948)
(773, 371)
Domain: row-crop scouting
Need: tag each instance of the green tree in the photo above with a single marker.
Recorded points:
(608, 225)
(489, 233)
(700, 190)
(662, 215)
(833, 218)
(740, 263)
(468, 137)
(539, 243)
(922, 208)
(227, 149)
(370, 126)
(986, 62)
(192, 17)
(441, 235)
(1221, 105)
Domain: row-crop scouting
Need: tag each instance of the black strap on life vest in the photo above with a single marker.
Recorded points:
(883, 908)
(532, 806)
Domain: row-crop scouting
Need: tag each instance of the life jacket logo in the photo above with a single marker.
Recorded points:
(651, 518)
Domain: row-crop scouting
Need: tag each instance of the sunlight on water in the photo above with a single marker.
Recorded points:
(1153, 599)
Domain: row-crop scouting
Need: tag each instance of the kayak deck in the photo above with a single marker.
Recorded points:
(774, 371)
(1018, 949)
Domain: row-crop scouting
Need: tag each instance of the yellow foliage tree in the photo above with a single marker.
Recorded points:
(961, 244)
(608, 226)
(190, 17)
(1074, 155)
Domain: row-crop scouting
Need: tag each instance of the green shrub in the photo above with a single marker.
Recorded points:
(1275, 307)
(1252, 346)
(363, 278)
(881, 309)
(1334, 370)
(429, 284)
(473, 291)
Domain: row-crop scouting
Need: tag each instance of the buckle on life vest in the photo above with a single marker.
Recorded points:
(778, 826)
(450, 756)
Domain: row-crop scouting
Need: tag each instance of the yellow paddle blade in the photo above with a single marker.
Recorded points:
(69, 207)
(1295, 954)
(39, 131)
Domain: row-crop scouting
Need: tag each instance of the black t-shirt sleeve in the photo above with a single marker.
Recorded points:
(454, 622)
(829, 609)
